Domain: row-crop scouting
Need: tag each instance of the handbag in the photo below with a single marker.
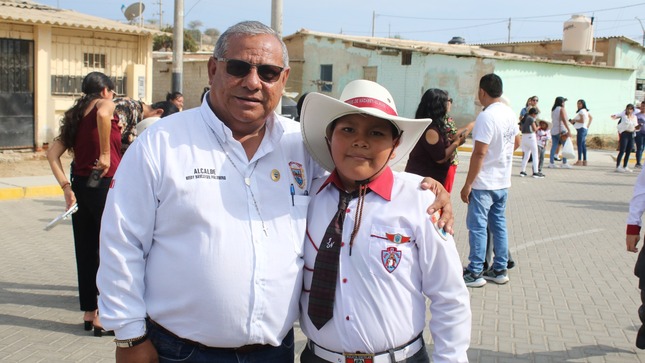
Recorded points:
(567, 149)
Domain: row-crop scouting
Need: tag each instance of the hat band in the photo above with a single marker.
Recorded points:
(362, 102)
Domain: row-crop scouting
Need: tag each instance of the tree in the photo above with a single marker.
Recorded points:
(213, 34)
(164, 41)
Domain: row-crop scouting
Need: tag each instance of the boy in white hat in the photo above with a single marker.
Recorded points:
(368, 272)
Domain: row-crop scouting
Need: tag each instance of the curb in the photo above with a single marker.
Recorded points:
(13, 193)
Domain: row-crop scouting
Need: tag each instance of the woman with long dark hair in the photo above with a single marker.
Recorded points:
(581, 122)
(435, 154)
(177, 99)
(90, 131)
(559, 130)
(626, 126)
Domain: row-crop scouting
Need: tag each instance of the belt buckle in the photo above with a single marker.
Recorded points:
(358, 358)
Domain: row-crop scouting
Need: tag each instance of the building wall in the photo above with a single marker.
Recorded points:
(194, 79)
(605, 89)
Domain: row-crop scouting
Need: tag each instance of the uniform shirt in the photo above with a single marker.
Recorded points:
(496, 127)
(636, 206)
(397, 257)
(183, 237)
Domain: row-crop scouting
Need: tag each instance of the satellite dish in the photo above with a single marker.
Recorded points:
(134, 10)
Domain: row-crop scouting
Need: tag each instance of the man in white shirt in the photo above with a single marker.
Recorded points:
(202, 236)
(496, 136)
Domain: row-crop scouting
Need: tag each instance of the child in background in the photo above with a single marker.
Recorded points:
(543, 135)
(369, 272)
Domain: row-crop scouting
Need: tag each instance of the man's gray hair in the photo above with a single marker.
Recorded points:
(247, 28)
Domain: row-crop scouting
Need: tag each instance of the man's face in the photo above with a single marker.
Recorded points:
(642, 107)
(246, 101)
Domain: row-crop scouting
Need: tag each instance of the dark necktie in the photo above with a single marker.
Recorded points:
(323, 283)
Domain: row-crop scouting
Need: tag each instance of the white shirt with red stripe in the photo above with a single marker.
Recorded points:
(398, 259)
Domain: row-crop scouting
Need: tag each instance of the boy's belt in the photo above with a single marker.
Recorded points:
(400, 354)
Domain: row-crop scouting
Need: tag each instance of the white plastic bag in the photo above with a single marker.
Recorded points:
(567, 149)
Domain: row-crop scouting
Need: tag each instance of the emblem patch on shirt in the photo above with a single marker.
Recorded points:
(397, 238)
(391, 258)
(434, 218)
(298, 173)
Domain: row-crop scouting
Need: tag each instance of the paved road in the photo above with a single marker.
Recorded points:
(571, 298)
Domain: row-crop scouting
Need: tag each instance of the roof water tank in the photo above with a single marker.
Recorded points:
(457, 40)
(577, 35)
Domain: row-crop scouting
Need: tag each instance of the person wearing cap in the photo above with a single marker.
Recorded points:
(203, 257)
(559, 131)
(389, 255)
(496, 136)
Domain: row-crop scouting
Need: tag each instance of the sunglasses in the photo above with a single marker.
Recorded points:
(536, 100)
(239, 68)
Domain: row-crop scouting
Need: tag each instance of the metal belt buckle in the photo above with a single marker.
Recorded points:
(358, 358)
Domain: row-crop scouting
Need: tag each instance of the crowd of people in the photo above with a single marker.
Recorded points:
(234, 178)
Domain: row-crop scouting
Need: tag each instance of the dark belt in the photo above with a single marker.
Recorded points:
(243, 349)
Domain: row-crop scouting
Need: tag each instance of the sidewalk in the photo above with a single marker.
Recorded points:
(572, 296)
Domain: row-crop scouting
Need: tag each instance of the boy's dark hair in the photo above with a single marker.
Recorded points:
(492, 85)
(171, 96)
(533, 111)
(168, 107)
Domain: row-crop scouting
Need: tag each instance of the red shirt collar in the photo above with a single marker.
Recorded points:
(381, 185)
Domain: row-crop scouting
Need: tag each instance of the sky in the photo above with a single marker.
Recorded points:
(423, 20)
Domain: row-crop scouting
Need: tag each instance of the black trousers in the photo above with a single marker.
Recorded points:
(86, 224)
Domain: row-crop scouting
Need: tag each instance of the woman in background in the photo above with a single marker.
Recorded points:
(435, 154)
(177, 99)
(581, 121)
(626, 127)
(90, 131)
(559, 131)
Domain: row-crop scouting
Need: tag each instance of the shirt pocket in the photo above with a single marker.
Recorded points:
(299, 220)
(390, 249)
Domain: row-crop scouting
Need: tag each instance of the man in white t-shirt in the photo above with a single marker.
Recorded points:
(496, 136)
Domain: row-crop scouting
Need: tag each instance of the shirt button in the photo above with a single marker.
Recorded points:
(347, 317)
(344, 281)
(348, 210)
(342, 244)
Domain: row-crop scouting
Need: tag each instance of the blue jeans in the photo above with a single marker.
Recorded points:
(555, 141)
(172, 349)
(487, 208)
(640, 140)
(581, 141)
(626, 144)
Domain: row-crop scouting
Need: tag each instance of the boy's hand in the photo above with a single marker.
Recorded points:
(631, 240)
(441, 202)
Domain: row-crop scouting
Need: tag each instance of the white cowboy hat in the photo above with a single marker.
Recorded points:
(360, 96)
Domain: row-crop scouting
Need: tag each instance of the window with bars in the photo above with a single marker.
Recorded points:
(71, 85)
(326, 77)
(94, 60)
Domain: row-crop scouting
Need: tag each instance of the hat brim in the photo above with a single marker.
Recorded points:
(319, 110)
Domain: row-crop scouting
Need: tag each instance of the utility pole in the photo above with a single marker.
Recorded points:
(178, 47)
(643, 28)
(509, 31)
(160, 14)
(373, 21)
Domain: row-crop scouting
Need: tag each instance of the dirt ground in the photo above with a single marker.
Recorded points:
(34, 163)
(27, 163)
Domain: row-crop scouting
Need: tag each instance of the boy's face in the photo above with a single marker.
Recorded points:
(360, 146)
(543, 126)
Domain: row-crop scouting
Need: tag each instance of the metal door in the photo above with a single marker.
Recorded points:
(16, 94)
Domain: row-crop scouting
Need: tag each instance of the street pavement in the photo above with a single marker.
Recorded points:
(571, 298)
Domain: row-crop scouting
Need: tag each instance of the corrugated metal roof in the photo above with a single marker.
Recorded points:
(25, 11)
(385, 44)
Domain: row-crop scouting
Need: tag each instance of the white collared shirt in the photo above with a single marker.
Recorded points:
(184, 242)
(380, 302)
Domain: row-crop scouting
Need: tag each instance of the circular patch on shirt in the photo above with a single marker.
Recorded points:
(275, 175)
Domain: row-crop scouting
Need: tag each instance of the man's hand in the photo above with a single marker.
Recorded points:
(442, 202)
(142, 353)
(465, 193)
(631, 240)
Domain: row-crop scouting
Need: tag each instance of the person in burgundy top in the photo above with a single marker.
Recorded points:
(434, 154)
(90, 131)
